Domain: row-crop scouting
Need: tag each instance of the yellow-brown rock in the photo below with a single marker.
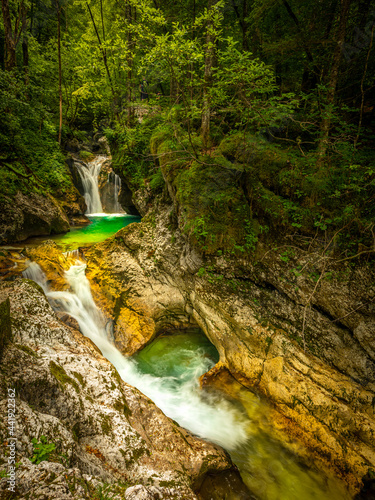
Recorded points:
(320, 379)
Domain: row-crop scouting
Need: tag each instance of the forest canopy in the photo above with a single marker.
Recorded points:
(278, 89)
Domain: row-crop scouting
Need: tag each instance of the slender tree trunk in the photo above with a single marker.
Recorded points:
(363, 92)
(102, 19)
(32, 17)
(332, 81)
(12, 37)
(209, 64)
(242, 22)
(311, 71)
(129, 62)
(245, 42)
(297, 23)
(25, 59)
(102, 49)
(10, 46)
(193, 34)
(59, 58)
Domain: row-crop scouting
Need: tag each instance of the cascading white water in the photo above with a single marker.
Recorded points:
(209, 418)
(115, 182)
(269, 470)
(89, 174)
(34, 273)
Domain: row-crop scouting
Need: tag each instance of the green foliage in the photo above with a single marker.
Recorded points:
(30, 158)
(131, 157)
(110, 491)
(267, 92)
(157, 180)
(42, 450)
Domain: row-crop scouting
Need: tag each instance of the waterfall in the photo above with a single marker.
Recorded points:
(118, 207)
(89, 175)
(208, 417)
(109, 194)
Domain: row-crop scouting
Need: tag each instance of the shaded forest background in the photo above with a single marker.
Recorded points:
(260, 113)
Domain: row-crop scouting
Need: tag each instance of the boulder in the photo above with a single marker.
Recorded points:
(30, 215)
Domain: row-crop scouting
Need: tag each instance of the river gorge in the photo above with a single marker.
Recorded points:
(252, 358)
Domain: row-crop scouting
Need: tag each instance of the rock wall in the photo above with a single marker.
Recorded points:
(109, 437)
(30, 215)
(305, 342)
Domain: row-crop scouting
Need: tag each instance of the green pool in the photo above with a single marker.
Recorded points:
(100, 228)
(168, 370)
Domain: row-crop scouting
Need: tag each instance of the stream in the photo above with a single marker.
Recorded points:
(168, 372)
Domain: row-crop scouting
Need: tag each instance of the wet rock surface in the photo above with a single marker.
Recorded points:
(109, 437)
(306, 345)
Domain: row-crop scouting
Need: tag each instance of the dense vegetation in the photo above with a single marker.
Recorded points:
(260, 114)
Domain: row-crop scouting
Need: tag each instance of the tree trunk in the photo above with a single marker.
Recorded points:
(103, 51)
(59, 58)
(242, 22)
(129, 62)
(12, 37)
(332, 82)
(10, 47)
(209, 64)
(25, 59)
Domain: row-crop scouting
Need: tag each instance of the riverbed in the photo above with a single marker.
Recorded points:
(168, 371)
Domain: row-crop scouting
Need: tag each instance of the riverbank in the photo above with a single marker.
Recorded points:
(104, 436)
(154, 280)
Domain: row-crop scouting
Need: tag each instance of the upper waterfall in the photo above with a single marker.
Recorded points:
(89, 173)
(101, 186)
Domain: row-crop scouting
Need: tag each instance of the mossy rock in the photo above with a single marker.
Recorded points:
(61, 376)
(214, 206)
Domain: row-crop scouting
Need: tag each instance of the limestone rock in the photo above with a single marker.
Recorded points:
(104, 430)
(320, 376)
(30, 215)
(140, 492)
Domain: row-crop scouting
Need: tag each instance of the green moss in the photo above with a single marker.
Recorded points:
(51, 478)
(157, 180)
(86, 155)
(268, 344)
(217, 215)
(80, 378)
(62, 377)
(116, 375)
(136, 454)
(76, 432)
(27, 350)
(35, 285)
(106, 424)
(119, 405)
(169, 484)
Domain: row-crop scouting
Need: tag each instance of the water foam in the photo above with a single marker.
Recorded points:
(180, 398)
